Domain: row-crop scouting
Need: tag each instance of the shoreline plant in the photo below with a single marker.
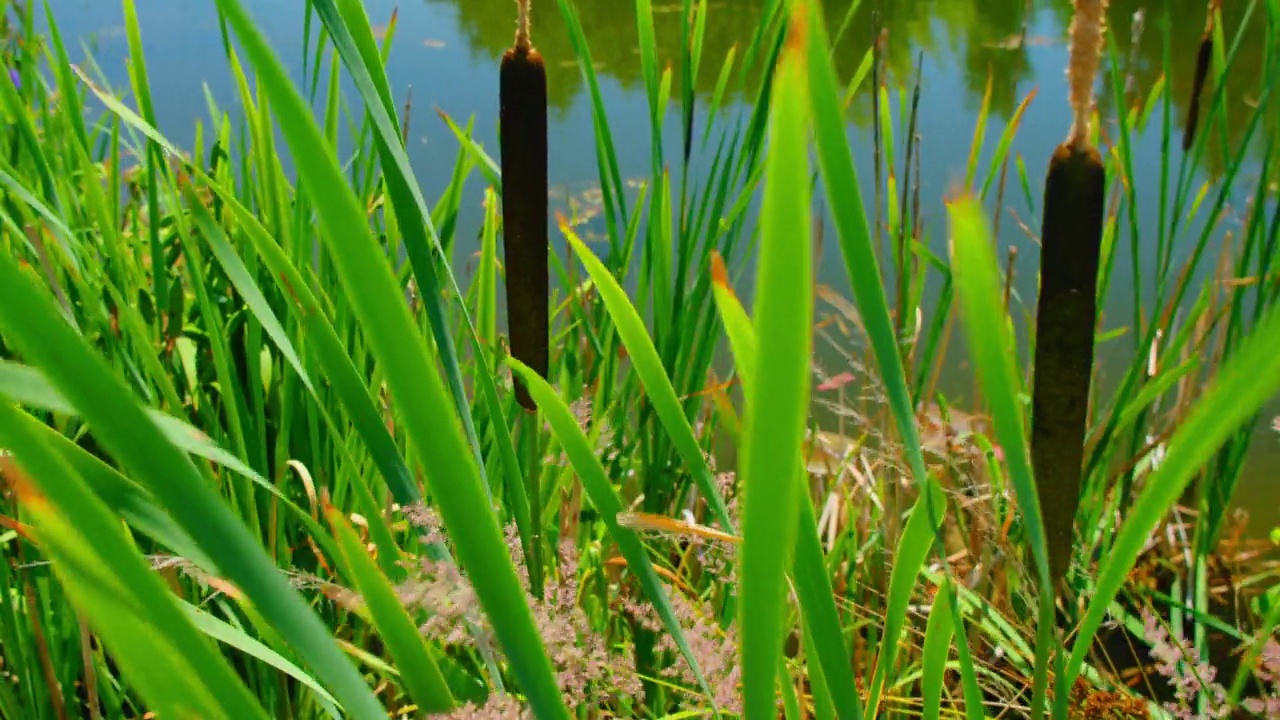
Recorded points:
(263, 454)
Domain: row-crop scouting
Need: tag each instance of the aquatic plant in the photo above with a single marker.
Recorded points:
(258, 438)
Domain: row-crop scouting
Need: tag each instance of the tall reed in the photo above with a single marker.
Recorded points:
(1071, 240)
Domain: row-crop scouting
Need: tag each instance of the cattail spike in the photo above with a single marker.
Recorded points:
(1065, 318)
(523, 148)
(1203, 56)
(1067, 312)
(1087, 30)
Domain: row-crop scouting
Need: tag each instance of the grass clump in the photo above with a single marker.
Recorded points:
(260, 441)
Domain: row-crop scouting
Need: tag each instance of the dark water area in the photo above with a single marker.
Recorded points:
(447, 51)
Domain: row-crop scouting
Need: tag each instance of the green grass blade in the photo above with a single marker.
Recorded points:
(142, 90)
(351, 34)
(1243, 384)
(244, 284)
(737, 325)
(978, 284)
(600, 492)
(120, 494)
(937, 648)
(648, 365)
(840, 180)
(352, 37)
(778, 405)
(812, 582)
(977, 280)
(839, 177)
(30, 386)
(810, 576)
(326, 346)
(33, 326)
(234, 637)
(56, 497)
(418, 671)
(908, 559)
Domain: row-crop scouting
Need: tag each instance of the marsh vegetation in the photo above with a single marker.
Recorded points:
(293, 426)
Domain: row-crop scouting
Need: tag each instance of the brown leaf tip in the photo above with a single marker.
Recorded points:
(719, 273)
(798, 30)
(16, 478)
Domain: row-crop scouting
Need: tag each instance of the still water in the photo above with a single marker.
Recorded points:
(446, 52)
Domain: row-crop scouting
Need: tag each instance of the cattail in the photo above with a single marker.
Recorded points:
(523, 145)
(1071, 239)
(1197, 85)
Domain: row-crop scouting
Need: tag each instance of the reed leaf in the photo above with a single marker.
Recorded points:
(778, 405)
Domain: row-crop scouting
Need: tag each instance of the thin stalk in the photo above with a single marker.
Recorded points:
(529, 440)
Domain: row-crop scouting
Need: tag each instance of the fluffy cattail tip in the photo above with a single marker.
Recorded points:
(1088, 26)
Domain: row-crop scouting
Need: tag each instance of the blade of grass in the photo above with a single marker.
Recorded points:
(776, 409)
(353, 38)
(58, 500)
(1239, 390)
(595, 483)
(840, 180)
(937, 648)
(810, 575)
(30, 386)
(418, 670)
(648, 366)
(234, 637)
(33, 326)
(978, 285)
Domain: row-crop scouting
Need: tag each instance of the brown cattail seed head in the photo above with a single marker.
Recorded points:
(1071, 239)
(523, 143)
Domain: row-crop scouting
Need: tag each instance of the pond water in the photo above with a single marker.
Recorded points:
(447, 51)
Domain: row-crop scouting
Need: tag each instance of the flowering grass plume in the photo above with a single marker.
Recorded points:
(1194, 681)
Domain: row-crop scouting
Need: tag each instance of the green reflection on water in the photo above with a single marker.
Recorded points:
(999, 39)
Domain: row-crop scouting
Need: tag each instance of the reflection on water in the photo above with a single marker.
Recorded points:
(448, 51)
(981, 39)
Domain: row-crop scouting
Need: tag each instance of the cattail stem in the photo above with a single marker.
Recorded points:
(523, 146)
(522, 25)
(1071, 241)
